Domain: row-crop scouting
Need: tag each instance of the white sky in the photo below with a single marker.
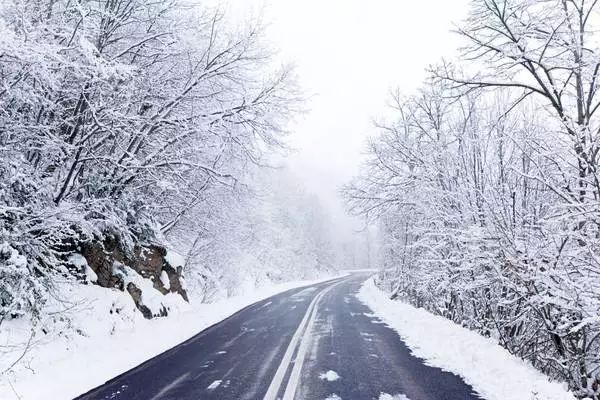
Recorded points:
(349, 54)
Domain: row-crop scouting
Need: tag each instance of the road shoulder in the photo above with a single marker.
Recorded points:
(493, 372)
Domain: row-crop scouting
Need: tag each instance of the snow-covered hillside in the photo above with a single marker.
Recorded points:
(83, 347)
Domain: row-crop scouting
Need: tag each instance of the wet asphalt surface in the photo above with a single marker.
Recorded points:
(237, 359)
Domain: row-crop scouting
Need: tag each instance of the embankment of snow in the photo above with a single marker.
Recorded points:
(492, 371)
(102, 336)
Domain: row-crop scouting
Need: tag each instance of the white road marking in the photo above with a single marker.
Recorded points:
(214, 385)
(222, 352)
(300, 333)
(287, 357)
(290, 389)
(292, 386)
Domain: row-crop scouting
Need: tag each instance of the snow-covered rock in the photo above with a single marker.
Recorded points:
(146, 273)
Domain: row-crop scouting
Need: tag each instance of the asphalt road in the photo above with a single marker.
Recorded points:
(317, 342)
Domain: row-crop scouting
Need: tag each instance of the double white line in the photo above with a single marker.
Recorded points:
(302, 333)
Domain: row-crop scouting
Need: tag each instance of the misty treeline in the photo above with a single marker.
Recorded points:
(277, 232)
(148, 121)
(486, 189)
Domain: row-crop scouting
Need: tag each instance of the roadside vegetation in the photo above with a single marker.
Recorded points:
(485, 186)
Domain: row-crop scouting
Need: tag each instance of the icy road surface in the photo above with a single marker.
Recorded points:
(317, 342)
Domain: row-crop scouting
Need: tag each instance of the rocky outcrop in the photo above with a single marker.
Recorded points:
(133, 271)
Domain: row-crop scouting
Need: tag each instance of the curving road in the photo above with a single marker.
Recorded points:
(317, 342)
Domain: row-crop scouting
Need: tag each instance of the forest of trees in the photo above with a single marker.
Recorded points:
(157, 122)
(276, 233)
(486, 189)
(141, 123)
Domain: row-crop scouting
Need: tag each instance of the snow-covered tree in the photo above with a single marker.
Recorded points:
(118, 119)
(271, 231)
(484, 186)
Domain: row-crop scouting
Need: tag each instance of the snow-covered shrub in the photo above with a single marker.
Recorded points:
(21, 291)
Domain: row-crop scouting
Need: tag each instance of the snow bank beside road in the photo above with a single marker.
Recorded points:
(99, 346)
(492, 371)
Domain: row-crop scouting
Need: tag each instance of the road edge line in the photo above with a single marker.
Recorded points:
(277, 380)
(294, 380)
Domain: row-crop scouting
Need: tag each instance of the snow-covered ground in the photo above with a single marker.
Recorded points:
(93, 345)
(493, 372)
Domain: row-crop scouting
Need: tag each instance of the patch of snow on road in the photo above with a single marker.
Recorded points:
(267, 304)
(214, 385)
(492, 371)
(329, 376)
(333, 396)
(386, 396)
(169, 387)
(305, 292)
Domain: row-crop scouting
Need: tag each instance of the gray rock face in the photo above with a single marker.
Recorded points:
(148, 261)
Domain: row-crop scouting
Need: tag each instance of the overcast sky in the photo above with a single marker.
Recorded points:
(349, 54)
